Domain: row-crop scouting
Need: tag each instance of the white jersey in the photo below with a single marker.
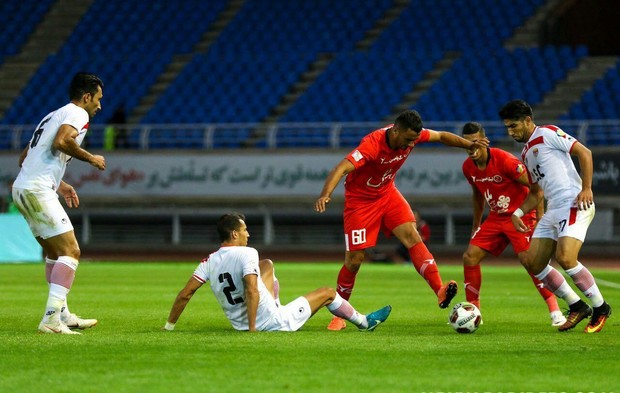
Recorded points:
(44, 166)
(225, 269)
(547, 158)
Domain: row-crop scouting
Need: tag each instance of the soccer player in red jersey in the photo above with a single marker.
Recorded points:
(373, 203)
(500, 179)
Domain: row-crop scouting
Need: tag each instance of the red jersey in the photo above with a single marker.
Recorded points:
(376, 164)
(498, 181)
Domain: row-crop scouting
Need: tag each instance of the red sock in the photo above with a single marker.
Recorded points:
(552, 302)
(346, 281)
(473, 282)
(424, 263)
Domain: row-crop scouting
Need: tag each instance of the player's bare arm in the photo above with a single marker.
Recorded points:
(333, 178)
(540, 207)
(181, 301)
(585, 199)
(22, 156)
(251, 299)
(450, 139)
(531, 201)
(68, 193)
(478, 208)
(66, 143)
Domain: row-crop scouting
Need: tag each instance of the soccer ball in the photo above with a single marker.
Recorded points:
(465, 317)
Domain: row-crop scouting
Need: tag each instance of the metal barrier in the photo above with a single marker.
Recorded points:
(145, 137)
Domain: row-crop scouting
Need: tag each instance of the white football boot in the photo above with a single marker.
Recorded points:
(75, 322)
(55, 327)
(557, 318)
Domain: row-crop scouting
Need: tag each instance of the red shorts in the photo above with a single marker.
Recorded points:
(497, 231)
(364, 218)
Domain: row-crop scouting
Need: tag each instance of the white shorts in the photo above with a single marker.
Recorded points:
(290, 317)
(564, 221)
(43, 212)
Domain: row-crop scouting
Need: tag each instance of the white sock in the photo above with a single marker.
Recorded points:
(343, 309)
(55, 300)
(64, 311)
(556, 283)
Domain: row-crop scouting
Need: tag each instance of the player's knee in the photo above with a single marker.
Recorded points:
(564, 260)
(524, 260)
(354, 259)
(329, 293)
(265, 265)
(467, 258)
(470, 258)
(75, 252)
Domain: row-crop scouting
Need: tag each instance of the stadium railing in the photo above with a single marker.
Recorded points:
(144, 137)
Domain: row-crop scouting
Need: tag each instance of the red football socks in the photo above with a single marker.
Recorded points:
(424, 262)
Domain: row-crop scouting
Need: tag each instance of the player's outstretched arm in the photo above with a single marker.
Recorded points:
(450, 139)
(333, 178)
(181, 301)
(66, 143)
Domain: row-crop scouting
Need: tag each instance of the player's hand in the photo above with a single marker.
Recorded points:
(321, 204)
(98, 162)
(519, 225)
(479, 144)
(71, 197)
(585, 199)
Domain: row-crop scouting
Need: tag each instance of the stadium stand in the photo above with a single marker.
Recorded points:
(481, 79)
(132, 43)
(601, 102)
(18, 19)
(269, 46)
(454, 25)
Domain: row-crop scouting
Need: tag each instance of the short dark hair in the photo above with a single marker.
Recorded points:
(516, 109)
(473, 128)
(83, 83)
(409, 119)
(229, 223)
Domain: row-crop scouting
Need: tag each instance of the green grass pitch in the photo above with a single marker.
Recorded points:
(515, 350)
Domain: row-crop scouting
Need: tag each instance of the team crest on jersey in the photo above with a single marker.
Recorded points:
(561, 134)
(520, 168)
(535, 152)
(357, 155)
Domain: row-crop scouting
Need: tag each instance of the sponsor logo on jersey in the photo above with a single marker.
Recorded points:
(493, 179)
(387, 176)
(535, 152)
(397, 158)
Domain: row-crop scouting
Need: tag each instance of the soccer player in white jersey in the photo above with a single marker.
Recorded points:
(248, 290)
(54, 143)
(570, 209)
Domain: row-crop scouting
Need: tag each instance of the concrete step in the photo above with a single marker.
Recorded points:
(572, 88)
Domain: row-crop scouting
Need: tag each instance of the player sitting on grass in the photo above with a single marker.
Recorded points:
(248, 290)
